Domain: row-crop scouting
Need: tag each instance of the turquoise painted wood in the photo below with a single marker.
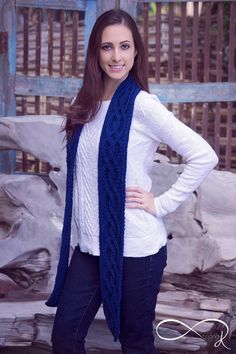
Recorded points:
(195, 92)
(103, 6)
(53, 4)
(2, 62)
(90, 18)
(167, 93)
(7, 76)
(8, 59)
(130, 6)
(46, 86)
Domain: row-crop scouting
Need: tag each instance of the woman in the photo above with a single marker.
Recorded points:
(113, 130)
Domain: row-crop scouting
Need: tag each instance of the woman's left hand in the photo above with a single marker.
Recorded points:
(138, 198)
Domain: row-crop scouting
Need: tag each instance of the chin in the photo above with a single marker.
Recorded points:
(117, 76)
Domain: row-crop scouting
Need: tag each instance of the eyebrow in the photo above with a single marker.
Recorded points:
(120, 42)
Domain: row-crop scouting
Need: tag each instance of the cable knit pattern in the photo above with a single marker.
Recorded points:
(86, 184)
(152, 123)
(112, 160)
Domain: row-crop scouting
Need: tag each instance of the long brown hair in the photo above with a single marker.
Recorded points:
(88, 99)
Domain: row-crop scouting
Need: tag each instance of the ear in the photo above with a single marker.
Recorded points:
(135, 53)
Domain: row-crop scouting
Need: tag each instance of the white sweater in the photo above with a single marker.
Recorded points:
(151, 124)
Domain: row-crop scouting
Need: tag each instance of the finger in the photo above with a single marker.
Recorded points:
(135, 189)
(134, 194)
(134, 199)
(133, 206)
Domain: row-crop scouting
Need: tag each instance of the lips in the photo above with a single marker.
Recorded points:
(116, 67)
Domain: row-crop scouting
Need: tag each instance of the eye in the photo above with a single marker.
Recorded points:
(106, 47)
(125, 46)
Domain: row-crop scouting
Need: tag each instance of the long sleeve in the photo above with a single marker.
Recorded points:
(198, 155)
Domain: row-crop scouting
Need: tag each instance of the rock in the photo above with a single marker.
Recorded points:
(31, 207)
(22, 323)
(31, 324)
(202, 242)
(38, 135)
(199, 280)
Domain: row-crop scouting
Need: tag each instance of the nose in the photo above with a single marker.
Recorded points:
(116, 55)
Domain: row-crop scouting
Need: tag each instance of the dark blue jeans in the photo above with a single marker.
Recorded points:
(81, 299)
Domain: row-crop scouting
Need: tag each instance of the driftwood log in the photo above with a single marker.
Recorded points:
(26, 323)
(199, 280)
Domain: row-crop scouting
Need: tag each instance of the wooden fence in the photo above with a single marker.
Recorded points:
(196, 44)
(191, 55)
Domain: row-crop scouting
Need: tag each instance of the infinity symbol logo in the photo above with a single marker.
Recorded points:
(191, 329)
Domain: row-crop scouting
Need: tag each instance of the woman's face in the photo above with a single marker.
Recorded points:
(117, 52)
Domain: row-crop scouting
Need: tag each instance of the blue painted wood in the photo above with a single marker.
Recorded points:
(53, 4)
(129, 6)
(195, 92)
(7, 75)
(103, 6)
(46, 86)
(7, 162)
(90, 18)
(2, 61)
(167, 93)
(8, 59)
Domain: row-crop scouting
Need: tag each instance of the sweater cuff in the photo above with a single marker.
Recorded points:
(159, 211)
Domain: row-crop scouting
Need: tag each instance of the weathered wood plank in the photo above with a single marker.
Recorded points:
(7, 72)
(24, 323)
(183, 41)
(90, 18)
(53, 4)
(8, 59)
(46, 86)
(195, 42)
(174, 93)
(171, 43)
(196, 92)
(145, 32)
(232, 45)
(219, 50)
(158, 43)
(75, 35)
(103, 6)
(7, 162)
(206, 73)
(129, 6)
(217, 129)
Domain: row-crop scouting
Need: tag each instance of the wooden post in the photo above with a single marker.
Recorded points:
(129, 6)
(90, 18)
(96, 8)
(7, 73)
(103, 6)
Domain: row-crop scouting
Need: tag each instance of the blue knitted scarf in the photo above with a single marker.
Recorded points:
(112, 160)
